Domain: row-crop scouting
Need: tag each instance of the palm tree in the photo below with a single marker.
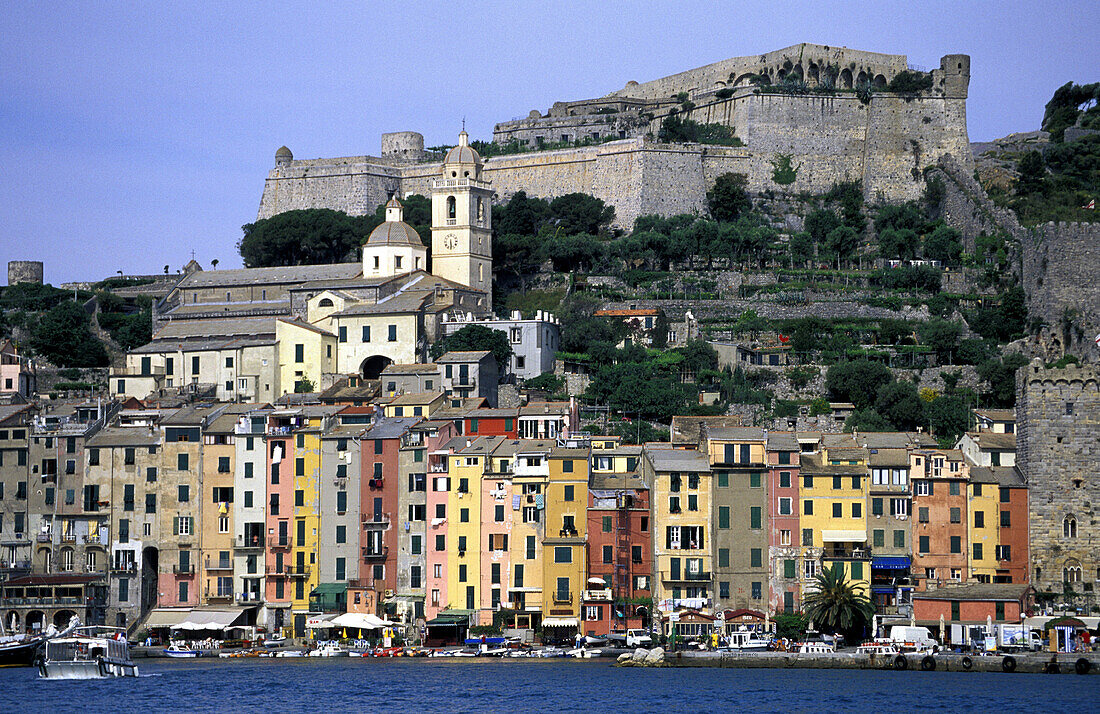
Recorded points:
(838, 603)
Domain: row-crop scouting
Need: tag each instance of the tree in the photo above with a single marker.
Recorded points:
(310, 236)
(1032, 173)
(699, 356)
(838, 604)
(857, 381)
(820, 223)
(842, 243)
(784, 172)
(901, 405)
(521, 215)
(303, 386)
(1064, 107)
(867, 420)
(948, 417)
(474, 338)
(942, 336)
(729, 197)
(1001, 376)
(63, 336)
(580, 214)
(546, 382)
(802, 249)
(943, 244)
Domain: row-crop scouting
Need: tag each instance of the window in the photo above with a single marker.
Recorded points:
(606, 524)
(1005, 495)
(563, 554)
(807, 508)
(723, 479)
(223, 464)
(391, 333)
(93, 457)
(838, 482)
(150, 503)
(343, 334)
(723, 516)
(979, 519)
(922, 514)
(1069, 527)
(784, 506)
(607, 554)
(955, 610)
(956, 515)
(923, 488)
(857, 570)
(128, 457)
(876, 506)
(1006, 519)
(464, 515)
(756, 559)
(1004, 552)
(569, 489)
(724, 589)
(857, 510)
(723, 557)
(674, 504)
(181, 462)
(838, 510)
(784, 478)
(757, 590)
(956, 544)
(922, 544)
(878, 538)
(567, 467)
(341, 501)
(693, 502)
(807, 481)
(754, 479)
(415, 544)
(128, 497)
(899, 539)
(979, 553)
(754, 518)
(953, 488)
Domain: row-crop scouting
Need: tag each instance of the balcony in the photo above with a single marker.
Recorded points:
(212, 565)
(382, 521)
(300, 571)
(597, 595)
(15, 565)
(254, 542)
(44, 537)
(372, 554)
(248, 598)
(124, 568)
(275, 571)
(846, 554)
(92, 539)
(219, 597)
(684, 577)
(278, 542)
(186, 570)
(902, 610)
(68, 538)
(14, 540)
(562, 598)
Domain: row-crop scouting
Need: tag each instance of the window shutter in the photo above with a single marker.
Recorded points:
(176, 526)
(191, 524)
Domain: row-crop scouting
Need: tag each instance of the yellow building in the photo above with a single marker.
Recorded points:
(834, 516)
(465, 467)
(417, 404)
(680, 508)
(305, 353)
(530, 475)
(984, 507)
(217, 527)
(565, 534)
(306, 462)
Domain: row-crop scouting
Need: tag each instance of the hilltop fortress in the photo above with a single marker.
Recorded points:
(846, 126)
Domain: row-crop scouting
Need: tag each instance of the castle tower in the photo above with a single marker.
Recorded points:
(394, 247)
(462, 248)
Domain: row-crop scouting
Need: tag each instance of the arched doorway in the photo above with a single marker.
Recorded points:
(846, 78)
(12, 623)
(36, 620)
(880, 81)
(61, 618)
(372, 366)
(150, 569)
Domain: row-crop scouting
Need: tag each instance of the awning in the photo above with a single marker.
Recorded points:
(166, 617)
(330, 589)
(844, 536)
(560, 622)
(210, 619)
(359, 620)
(449, 619)
(317, 622)
(894, 563)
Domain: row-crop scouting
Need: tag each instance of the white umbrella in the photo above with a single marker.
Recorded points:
(941, 628)
(596, 581)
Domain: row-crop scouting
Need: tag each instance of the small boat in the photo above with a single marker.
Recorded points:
(816, 648)
(290, 653)
(878, 648)
(329, 649)
(594, 641)
(94, 652)
(275, 641)
(745, 641)
(584, 653)
(180, 652)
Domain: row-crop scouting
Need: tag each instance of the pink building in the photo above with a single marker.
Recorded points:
(16, 371)
(784, 535)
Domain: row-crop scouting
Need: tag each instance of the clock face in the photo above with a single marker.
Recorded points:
(450, 241)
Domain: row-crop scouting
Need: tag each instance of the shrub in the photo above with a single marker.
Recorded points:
(909, 82)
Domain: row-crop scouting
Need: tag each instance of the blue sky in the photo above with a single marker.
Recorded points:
(136, 132)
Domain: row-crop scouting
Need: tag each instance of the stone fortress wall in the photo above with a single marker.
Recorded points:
(25, 271)
(885, 143)
(1059, 274)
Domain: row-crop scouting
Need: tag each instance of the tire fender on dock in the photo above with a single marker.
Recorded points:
(1008, 664)
(928, 663)
(900, 663)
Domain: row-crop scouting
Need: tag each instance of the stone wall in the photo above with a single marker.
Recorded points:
(1058, 452)
(1061, 275)
(731, 309)
(25, 271)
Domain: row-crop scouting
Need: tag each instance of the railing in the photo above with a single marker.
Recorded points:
(376, 521)
(44, 537)
(560, 597)
(248, 542)
(597, 594)
(219, 597)
(248, 597)
(370, 554)
(219, 564)
(68, 538)
(123, 568)
(183, 569)
(92, 539)
(301, 571)
(684, 577)
(278, 542)
(276, 572)
(48, 601)
(845, 554)
(15, 565)
(904, 610)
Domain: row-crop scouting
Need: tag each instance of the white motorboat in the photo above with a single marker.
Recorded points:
(177, 651)
(290, 653)
(329, 649)
(584, 653)
(94, 652)
(878, 648)
(816, 648)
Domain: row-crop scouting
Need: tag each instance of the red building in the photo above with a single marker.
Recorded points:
(378, 503)
(1015, 546)
(492, 422)
(620, 555)
(939, 531)
(971, 604)
(783, 524)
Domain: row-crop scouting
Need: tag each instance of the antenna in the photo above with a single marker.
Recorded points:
(463, 123)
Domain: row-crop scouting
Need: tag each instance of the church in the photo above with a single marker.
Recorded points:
(255, 334)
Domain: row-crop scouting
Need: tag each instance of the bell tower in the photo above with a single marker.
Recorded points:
(462, 247)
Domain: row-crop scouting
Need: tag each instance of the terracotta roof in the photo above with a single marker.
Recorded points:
(976, 591)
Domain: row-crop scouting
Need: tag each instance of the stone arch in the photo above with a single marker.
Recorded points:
(451, 204)
(846, 78)
(813, 72)
(67, 562)
(797, 72)
(781, 74)
(880, 82)
(1071, 571)
(325, 302)
(61, 618)
(45, 558)
(1069, 526)
(744, 78)
(12, 622)
(372, 366)
(861, 78)
(36, 620)
(150, 570)
(718, 84)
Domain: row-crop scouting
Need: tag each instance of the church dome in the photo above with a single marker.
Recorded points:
(463, 153)
(394, 231)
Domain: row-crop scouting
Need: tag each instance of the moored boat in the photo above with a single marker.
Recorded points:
(94, 652)
(180, 652)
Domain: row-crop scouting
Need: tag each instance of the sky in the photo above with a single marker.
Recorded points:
(134, 133)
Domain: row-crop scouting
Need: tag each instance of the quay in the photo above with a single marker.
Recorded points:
(1031, 663)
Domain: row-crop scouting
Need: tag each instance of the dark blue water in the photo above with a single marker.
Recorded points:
(375, 685)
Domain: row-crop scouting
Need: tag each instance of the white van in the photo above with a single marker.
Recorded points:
(912, 637)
